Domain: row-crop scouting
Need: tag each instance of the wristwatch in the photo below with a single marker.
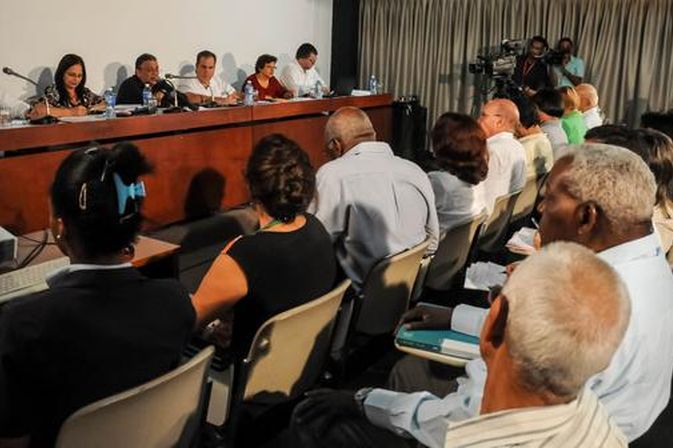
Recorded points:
(360, 397)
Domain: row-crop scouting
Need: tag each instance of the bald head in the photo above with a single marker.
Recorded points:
(499, 115)
(588, 96)
(347, 127)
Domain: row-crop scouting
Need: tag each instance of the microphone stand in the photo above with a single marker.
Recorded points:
(48, 118)
(176, 108)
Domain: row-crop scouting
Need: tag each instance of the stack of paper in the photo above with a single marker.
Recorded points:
(522, 242)
(484, 276)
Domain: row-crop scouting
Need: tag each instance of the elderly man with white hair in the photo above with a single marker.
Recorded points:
(602, 197)
(589, 105)
(540, 343)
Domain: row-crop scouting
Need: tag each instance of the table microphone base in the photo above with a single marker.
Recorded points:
(173, 110)
(47, 119)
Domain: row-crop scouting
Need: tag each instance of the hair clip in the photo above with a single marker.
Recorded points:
(125, 192)
(82, 197)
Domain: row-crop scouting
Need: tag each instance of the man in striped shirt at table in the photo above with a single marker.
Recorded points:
(558, 321)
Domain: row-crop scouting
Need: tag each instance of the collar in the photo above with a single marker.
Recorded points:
(593, 110)
(500, 136)
(55, 277)
(369, 148)
(645, 247)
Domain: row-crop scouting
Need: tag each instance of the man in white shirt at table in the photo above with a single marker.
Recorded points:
(300, 75)
(207, 88)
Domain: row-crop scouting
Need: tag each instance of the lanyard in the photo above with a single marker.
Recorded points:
(528, 67)
(270, 224)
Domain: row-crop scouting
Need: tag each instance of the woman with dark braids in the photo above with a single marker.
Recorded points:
(287, 262)
(101, 327)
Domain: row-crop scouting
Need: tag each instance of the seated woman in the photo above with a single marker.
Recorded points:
(101, 327)
(68, 96)
(459, 145)
(657, 152)
(287, 262)
(264, 81)
(572, 120)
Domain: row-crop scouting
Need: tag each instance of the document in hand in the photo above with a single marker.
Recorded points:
(447, 342)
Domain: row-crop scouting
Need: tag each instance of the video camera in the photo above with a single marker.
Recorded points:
(501, 64)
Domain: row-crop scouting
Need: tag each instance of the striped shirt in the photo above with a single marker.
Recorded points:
(582, 423)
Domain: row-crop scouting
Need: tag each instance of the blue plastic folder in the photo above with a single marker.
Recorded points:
(448, 342)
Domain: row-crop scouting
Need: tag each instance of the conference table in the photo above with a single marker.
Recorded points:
(198, 157)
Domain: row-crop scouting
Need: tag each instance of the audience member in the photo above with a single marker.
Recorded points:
(264, 82)
(591, 113)
(507, 159)
(531, 71)
(68, 96)
(570, 72)
(602, 197)
(101, 327)
(206, 87)
(540, 343)
(538, 150)
(572, 120)
(372, 203)
(300, 75)
(459, 145)
(147, 73)
(662, 122)
(550, 106)
(286, 263)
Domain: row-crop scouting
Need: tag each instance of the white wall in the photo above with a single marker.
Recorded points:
(109, 35)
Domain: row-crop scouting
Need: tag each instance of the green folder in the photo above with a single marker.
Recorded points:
(448, 342)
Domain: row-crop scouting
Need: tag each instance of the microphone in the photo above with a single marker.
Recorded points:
(47, 119)
(172, 76)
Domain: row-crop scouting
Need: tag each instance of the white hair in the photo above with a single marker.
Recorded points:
(615, 179)
(588, 92)
(568, 311)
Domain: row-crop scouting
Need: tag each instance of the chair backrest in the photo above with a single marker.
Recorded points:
(452, 254)
(289, 350)
(496, 224)
(387, 289)
(525, 202)
(154, 414)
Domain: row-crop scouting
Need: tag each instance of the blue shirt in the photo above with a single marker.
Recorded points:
(575, 67)
(634, 389)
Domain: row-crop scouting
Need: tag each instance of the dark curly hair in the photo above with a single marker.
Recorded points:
(280, 177)
(459, 145)
(84, 196)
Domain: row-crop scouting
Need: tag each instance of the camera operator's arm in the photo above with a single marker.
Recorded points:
(572, 68)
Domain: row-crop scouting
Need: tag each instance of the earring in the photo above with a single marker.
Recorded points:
(58, 237)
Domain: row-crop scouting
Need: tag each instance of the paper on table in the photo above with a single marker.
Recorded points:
(483, 276)
(523, 241)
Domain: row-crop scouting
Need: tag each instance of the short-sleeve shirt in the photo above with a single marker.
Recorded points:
(215, 88)
(283, 270)
(92, 334)
(131, 91)
(457, 201)
(55, 99)
(274, 90)
(574, 127)
(575, 67)
(298, 80)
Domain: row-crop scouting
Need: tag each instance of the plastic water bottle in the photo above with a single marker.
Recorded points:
(248, 94)
(372, 85)
(111, 101)
(147, 96)
(318, 94)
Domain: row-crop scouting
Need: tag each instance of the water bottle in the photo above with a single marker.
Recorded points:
(318, 94)
(111, 101)
(248, 94)
(372, 85)
(147, 96)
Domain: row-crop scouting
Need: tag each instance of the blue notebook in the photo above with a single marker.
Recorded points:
(448, 342)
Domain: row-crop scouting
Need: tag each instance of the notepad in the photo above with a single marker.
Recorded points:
(447, 342)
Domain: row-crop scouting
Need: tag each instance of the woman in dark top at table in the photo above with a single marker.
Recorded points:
(101, 327)
(289, 261)
(264, 81)
(68, 96)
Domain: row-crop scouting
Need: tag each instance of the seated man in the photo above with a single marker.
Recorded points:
(589, 105)
(373, 203)
(300, 76)
(147, 73)
(207, 88)
(550, 105)
(602, 197)
(552, 327)
(507, 159)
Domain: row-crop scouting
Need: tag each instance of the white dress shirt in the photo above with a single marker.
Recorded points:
(634, 389)
(216, 87)
(456, 201)
(592, 117)
(539, 154)
(298, 80)
(374, 204)
(506, 167)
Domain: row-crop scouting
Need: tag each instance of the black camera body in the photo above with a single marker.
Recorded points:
(553, 57)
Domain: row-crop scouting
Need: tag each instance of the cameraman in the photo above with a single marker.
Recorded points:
(531, 71)
(570, 72)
